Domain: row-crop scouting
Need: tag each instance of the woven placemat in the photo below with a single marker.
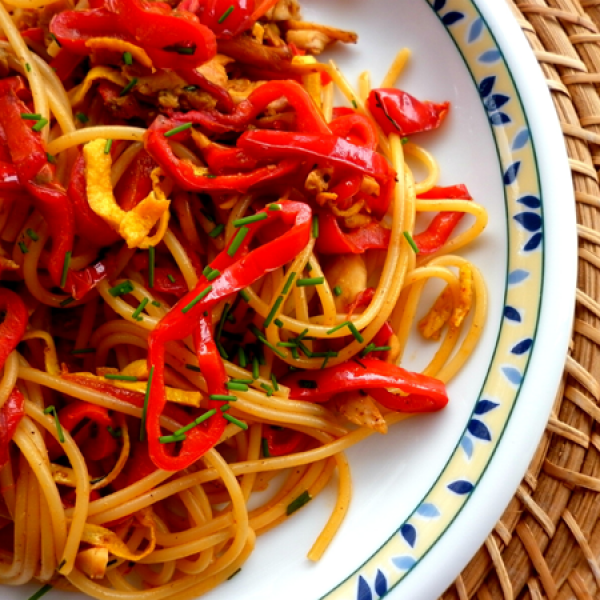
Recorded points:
(547, 543)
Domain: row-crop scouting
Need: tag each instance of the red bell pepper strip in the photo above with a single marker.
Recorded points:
(172, 39)
(225, 18)
(65, 62)
(238, 271)
(14, 323)
(282, 441)
(398, 112)
(424, 394)
(225, 102)
(444, 223)
(332, 240)
(11, 414)
(35, 34)
(354, 128)
(135, 184)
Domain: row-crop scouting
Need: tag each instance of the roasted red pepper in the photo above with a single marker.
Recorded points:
(332, 240)
(398, 112)
(225, 18)
(444, 223)
(11, 414)
(354, 128)
(14, 323)
(424, 394)
(238, 269)
(172, 39)
(282, 441)
(65, 63)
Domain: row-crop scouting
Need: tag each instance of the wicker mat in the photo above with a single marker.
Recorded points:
(547, 543)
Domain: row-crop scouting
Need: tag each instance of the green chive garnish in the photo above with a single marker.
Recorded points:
(40, 125)
(186, 50)
(213, 233)
(198, 298)
(51, 158)
(171, 278)
(128, 87)
(225, 407)
(267, 389)
(256, 331)
(274, 206)
(255, 367)
(337, 290)
(412, 243)
(23, 247)
(145, 409)
(288, 283)
(274, 382)
(168, 439)
(310, 281)
(41, 592)
(278, 322)
(354, 104)
(63, 562)
(242, 358)
(299, 502)
(28, 67)
(31, 116)
(325, 361)
(352, 329)
(127, 58)
(63, 279)
(235, 421)
(82, 117)
(265, 448)
(116, 433)
(193, 368)
(251, 219)
(151, 263)
(190, 88)
(245, 381)
(226, 14)
(140, 308)
(214, 273)
(315, 226)
(125, 287)
(237, 241)
(273, 311)
(119, 377)
(32, 234)
(244, 295)
(204, 417)
(222, 398)
(404, 140)
(236, 387)
(156, 303)
(308, 267)
(55, 40)
(67, 301)
(52, 410)
(108, 146)
(177, 130)
(83, 351)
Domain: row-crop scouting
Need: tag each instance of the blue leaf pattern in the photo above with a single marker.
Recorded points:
(517, 276)
(534, 243)
(486, 86)
(364, 591)
(521, 139)
(438, 5)
(522, 347)
(512, 314)
(466, 443)
(409, 533)
(490, 56)
(475, 30)
(381, 585)
(513, 375)
(499, 118)
(479, 430)
(428, 511)
(530, 201)
(530, 221)
(452, 17)
(512, 173)
(462, 487)
(485, 406)
(404, 563)
(495, 101)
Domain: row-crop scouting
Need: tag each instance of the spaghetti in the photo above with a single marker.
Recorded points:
(209, 273)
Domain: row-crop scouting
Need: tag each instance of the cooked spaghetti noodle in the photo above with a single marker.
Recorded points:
(209, 274)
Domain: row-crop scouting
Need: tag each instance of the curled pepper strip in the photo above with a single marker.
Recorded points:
(11, 414)
(422, 393)
(238, 269)
(14, 324)
(332, 240)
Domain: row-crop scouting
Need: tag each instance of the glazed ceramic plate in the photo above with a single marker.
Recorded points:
(427, 494)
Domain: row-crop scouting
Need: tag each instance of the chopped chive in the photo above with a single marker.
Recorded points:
(267, 389)
(274, 206)
(308, 384)
(265, 448)
(412, 243)
(116, 433)
(207, 415)
(168, 439)
(31, 116)
(145, 408)
(338, 327)
(295, 353)
(177, 130)
(67, 301)
(28, 67)
(156, 303)
(226, 14)
(246, 381)
(244, 295)
(237, 241)
(151, 263)
(82, 117)
(273, 311)
(193, 368)
(254, 329)
(255, 367)
(304, 349)
(367, 349)
(140, 308)
(97, 480)
(63, 279)
(337, 290)
(222, 398)
(404, 140)
(308, 267)
(171, 278)
(359, 363)
(278, 322)
(186, 50)
(225, 407)
(61, 564)
(310, 281)
(299, 502)
(288, 283)
(251, 219)
(32, 234)
(207, 270)
(190, 88)
(209, 176)
(52, 410)
(324, 364)
(315, 226)
(236, 387)
(198, 298)
(234, 574)
(83, 351)
(357, 336)
(41, 592)
(274, 382)
(235, 421)
(55, 40)
(125, 287)
(112, 562)
(119, 377)
(128, 88)
(217, 230)
(23, 247)
(40, 125)
(108, 146)
(354, 104)
(214, 273)
(127, 58)
(242, 358)
(51, 158)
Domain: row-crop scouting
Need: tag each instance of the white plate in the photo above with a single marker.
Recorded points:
(427, 494)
